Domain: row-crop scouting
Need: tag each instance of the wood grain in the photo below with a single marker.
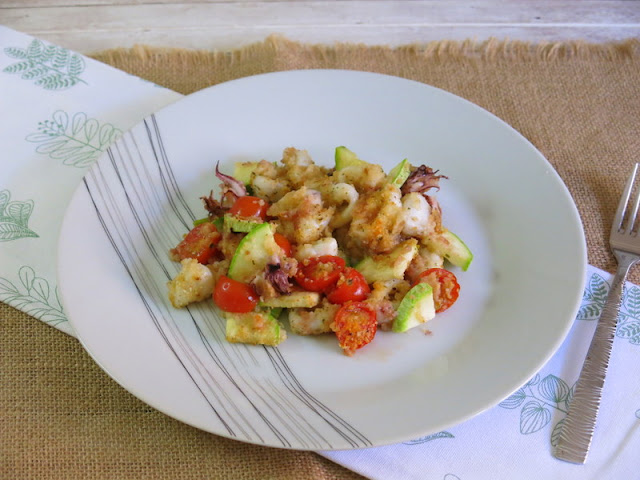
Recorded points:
(89, 25)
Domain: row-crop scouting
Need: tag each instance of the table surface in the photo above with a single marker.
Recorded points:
(99, 418)
(73, 421)
(90, 25)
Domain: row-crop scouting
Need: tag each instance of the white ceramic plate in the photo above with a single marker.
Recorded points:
(517, 300)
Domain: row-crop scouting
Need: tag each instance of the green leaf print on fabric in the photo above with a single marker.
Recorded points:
(629, 329)
(77, 141)
(534, 381)
(533, 417)
(429, 438)
(632, 301)
(34, 296)
(52, 67)
(542, 396)
(515, 400)
(553, 389)
(14, 218)
(555, 434)
(595, 295)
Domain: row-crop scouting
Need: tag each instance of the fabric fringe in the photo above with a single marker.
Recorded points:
(492, 49)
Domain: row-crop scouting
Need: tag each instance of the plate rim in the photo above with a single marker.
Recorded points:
(582, 250)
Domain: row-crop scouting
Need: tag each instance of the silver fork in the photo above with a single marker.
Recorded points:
(576, 434)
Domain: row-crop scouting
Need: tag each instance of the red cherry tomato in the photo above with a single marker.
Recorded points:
(200, 243)
(318, 273)
(350, 287)
(445, 287)
(249, 207)
(283, 243)
(233, 296)
(355, 326)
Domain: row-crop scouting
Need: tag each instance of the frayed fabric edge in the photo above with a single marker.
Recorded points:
(492, 49)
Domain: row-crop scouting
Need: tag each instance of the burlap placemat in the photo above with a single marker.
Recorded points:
(62, 417)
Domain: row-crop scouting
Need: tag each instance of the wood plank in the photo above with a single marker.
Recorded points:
(560, 5)
(390, 13)
(228, 24)
(80, 3)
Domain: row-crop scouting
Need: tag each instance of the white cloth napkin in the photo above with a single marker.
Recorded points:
(60, 110)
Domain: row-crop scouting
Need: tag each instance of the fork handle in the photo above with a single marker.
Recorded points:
(576, 433)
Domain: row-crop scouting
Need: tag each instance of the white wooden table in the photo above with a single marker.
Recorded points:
(90, 25)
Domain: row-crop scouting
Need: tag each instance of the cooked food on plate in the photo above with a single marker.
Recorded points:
(348, 250)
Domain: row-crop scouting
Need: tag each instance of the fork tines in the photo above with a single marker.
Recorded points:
(624, 222)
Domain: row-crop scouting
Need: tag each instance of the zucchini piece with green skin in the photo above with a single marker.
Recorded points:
(241, 225)
(416, 308)
(350, 169)
(346, 158)
(448, 245)
(253, 253)
(242, 171)
(399, 174)
(219, 223)
(256, 328)
(200, 221)
(389, 266)
(293, 300)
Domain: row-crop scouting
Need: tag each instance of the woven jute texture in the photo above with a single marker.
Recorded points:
(578, 103)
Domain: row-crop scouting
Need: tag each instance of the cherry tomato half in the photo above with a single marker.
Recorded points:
(445, 287)
(318, 273)
(200, 243)
(355, 326)
(233, 296)
(283, 243)
(350, 287)
(249, 207)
